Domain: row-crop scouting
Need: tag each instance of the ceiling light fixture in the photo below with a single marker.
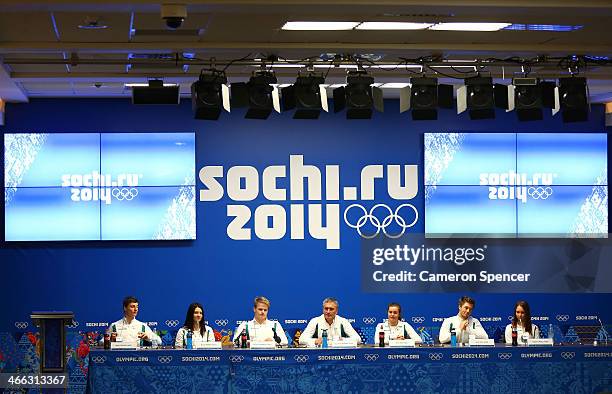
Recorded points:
(319, 25)
(392, 26)
(358, 96)
(469, 26)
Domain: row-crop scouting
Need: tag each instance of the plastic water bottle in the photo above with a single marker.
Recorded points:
(551, 332)
(453, 336)
(189, 340)
(324, 339)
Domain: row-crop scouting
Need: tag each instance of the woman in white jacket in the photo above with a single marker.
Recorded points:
(394, 327)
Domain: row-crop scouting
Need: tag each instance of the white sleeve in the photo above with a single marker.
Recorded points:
(444, 336)
(478, 330)
(508, 334)
(412, 333)
(281, 333)
(536, 331)
(307, 335)
(153, 337)
(179, 341)
(350, 331)
(210, 334)
(239, 329)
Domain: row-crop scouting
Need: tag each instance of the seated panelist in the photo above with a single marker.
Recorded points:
(522, 321)
(260, 328)
(131, 330)
(336, 326)
(394, 328)
(463, 324)
(194, 322)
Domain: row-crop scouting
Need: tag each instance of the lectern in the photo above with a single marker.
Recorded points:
(52, 339)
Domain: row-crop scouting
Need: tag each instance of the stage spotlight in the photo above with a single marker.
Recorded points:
(358, 97)
(424, 97)
(574, 99)
(532, 95)
(307, 96)
(209, 95)
(480, 97)
(258, 95)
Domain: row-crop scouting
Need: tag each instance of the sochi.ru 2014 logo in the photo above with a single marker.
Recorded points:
(518, 186)
(101, 187)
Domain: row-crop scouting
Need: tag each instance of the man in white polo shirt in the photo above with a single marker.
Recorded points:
(336, 326)
(131, 330)
(463, 324)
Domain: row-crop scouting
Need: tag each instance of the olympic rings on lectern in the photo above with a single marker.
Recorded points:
(164, 359)
(172, 323)
(381, 224)
(539, 192)
(301, 358)
(21, 324)
(124, 193)
(562, 317)
(436, 356)
(369, 320)
(504, 356)
(370, 357)
(98, 359)
(568, 355)
(236, 358)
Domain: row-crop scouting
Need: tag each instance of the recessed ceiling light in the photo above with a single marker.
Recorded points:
(468, 26)
(393, 26)
(296, 25)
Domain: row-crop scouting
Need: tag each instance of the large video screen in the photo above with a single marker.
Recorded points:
(99, 186)
(516, 184)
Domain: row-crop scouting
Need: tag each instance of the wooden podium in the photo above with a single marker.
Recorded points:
(52, 339)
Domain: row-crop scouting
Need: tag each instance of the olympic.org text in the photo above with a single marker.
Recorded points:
(101, 187)
(275, 221)
(412, 256)
(518, 186)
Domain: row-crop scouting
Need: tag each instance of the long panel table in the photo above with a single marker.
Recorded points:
(574, 369)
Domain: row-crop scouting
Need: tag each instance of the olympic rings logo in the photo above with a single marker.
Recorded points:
(124, 193)
(172, 323)
(222, 322)
(509, 318)
(376, 222)
(539, 192)
(164, 359)
(301, 358)
(504, 356)
(369, 320)
(74, 324)
(562, 317)
(21, 324)
(236, 359)
(418, 319)
(436, 356)
(568, 355)
(370, 357)
(98, 359)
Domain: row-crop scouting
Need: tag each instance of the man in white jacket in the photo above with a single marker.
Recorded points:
(463, 324)
(336, 326)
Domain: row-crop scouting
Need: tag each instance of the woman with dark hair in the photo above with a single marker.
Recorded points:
(522, 322)
(194, 322)
(394, 327)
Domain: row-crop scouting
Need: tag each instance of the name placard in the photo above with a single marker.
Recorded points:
(263, 345)
(401, 343)
(208, 345)
(123, 345)
(540, 342)
(481, 342)
(343, 343)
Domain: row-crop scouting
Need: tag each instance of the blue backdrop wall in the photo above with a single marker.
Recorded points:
(91, 278)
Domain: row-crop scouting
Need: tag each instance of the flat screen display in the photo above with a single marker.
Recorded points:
(99, 186)
(516, 184)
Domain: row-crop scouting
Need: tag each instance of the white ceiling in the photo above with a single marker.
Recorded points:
(44, 53)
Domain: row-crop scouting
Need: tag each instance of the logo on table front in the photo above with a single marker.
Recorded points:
(101, 187)
(172, 323)
(370, 218)
(21, 324)
(436, 356)
(562, 317)
(301, 358)
(369, 320)
(418, 319)
(370, 357)
(504, 356)
(236, 358)
(568, 355)
(164, 359)
(309, 204)
(221, 322)
(98, 359)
